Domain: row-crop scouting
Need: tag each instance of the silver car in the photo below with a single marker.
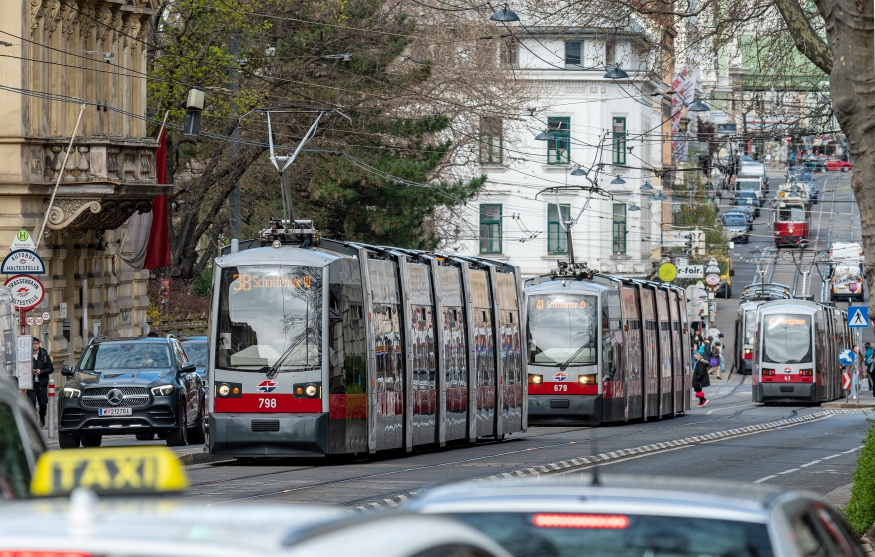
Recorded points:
(621, 516)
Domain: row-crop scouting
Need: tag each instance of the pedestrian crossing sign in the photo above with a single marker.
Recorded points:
(858, 317)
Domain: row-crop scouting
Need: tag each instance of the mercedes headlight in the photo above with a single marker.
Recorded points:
(70, 392)
(162, 390)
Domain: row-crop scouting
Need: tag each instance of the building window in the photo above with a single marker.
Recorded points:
(557, 240)
(491, 141)
(509, 53)
(610, 56)
(619, 143)
(490, 229)
(618, 234)
(572, 53)
(558, 150)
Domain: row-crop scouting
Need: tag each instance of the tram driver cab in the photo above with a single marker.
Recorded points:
(790, 226)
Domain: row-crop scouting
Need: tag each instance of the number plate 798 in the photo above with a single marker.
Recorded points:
(266, 402)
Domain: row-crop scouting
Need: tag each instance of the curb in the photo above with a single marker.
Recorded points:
(585, 461)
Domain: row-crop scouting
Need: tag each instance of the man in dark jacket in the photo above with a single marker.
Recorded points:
(700, 379)
(42, 371)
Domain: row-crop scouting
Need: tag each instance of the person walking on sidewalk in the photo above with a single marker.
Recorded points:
(701, 379)
(869, 356)
(856, 370)
(716, 357)
(705, 349)
(42, 371)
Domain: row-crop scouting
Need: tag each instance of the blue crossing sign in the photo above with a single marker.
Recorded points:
(858, 317)
(846, 357)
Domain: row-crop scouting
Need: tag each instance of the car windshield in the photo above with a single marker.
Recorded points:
(270, 316)
(615, 535)
(734, 220)
(196, 350)
(748, 185)
(561, 326)
(750, 194)
(787, 339)
(125, 355)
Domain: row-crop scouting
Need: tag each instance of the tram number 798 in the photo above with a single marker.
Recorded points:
(559, 387)
(267, 403)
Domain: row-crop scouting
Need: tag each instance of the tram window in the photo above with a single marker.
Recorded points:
(787, 339)
(791, 214)
(563, 327)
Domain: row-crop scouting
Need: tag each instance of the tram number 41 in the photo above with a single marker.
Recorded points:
(560, 388)
(267, 403)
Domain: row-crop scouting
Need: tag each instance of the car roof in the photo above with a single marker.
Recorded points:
(192, 339)
(119, 526)
(141, 340)
(619, 493)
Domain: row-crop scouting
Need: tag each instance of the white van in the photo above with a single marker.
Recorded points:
(847, 281)
(756, 170)
(751, 183)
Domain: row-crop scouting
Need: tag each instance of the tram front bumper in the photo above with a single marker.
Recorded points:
(253, 435)
(784, 392)
(565, 409)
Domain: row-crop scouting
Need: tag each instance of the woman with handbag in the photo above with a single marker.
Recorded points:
(700, 379)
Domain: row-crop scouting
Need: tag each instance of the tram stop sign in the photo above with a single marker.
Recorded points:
(846, 357)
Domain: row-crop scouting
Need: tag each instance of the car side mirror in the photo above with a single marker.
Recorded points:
(188, 367)
(67, 371)
(731, 272)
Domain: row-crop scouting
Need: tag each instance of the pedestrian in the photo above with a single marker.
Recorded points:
(42, 371)
(716, 356)
(869, 355)
(706, 348)
(700, 379)
(856, 369)
(722, 348)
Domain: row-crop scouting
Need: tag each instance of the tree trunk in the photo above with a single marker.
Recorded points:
(849, 29)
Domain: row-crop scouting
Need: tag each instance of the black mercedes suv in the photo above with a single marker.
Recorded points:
(141, 387)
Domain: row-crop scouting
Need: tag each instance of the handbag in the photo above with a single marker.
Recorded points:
(715, 361)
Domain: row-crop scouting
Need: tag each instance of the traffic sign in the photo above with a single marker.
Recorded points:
(846, 380)
(712, 279)
(27, 291)
(46, 316)
(37, 320)
(23, 262)
(858, 317)
(712, 269)
(846, 357)
(22, 241)
(667, 272)
(29, 320)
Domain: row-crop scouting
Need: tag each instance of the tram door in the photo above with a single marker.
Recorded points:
(387, 399)
(651, 361)
(677, 357)
(664, 353)
(484, 352)
(422, 395)
(632, 341)
(687, 352)
(454, 352)
(511, 382)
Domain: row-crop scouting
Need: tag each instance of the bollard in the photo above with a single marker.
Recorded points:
(53, 410)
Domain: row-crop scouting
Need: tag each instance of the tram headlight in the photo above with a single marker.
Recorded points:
(589, 379)
(224, 390)
(535, 379)
(310, 390)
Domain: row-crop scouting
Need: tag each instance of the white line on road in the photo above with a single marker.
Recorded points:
(812, 463)
(788, 471)
(764, 479)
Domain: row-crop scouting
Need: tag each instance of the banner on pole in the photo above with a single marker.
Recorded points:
(684, 87)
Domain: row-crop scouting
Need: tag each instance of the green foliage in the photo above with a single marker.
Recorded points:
(861, 508)
(203, 283)
(696, 208)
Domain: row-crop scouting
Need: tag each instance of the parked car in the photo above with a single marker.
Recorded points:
(838, 164)
(747, 199)
(141, 387)
(799, 173)
(737, 227)
(746, 212)
(815, 164)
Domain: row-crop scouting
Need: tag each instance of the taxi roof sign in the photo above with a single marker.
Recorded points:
(122, 471)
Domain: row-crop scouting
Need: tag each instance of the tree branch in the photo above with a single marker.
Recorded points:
(807, 41)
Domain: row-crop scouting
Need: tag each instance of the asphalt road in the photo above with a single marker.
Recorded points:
(817, 451)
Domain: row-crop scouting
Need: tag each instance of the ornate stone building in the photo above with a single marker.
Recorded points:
(54, 55)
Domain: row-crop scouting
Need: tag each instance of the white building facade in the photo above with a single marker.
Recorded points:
(612, 129)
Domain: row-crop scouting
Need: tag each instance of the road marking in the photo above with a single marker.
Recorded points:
(807, 464)
(761, 480)
(831, 456)
(852, 450)
(788, 471)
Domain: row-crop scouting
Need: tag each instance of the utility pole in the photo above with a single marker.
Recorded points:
(234, 198)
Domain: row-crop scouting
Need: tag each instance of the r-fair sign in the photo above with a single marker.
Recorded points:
(691, 271)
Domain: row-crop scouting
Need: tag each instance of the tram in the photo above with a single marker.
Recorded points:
(326, 347)
(796, 350)
(790, 225)
(745, 322)
(603, 349)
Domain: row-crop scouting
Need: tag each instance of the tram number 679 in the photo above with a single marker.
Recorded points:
(267, 403)
(560, 388)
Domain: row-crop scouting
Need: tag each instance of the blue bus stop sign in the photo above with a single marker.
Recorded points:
(846, 357)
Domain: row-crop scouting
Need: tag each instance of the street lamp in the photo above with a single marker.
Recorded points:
(578, 172)
(544, 136)
(634, 207)
(698, 106)
(618, 181)
(646, 186)
(616, 72)
(504, 15)
(658, 197)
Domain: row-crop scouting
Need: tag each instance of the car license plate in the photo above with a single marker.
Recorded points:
(114, 412)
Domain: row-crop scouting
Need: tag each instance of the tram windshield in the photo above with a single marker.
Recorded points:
(561, 326)
(270, 317)
(787, 339)
(791, 214)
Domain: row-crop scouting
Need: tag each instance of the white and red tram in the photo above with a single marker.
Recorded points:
(343, 348)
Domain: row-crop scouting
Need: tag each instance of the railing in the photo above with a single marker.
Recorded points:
(125, 161)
